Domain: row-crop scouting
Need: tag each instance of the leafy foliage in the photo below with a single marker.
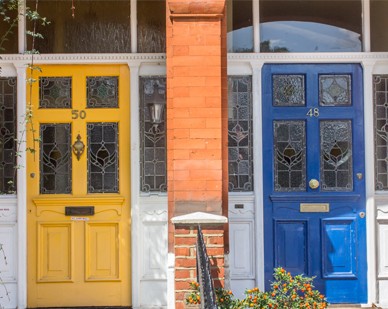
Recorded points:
(287, 292)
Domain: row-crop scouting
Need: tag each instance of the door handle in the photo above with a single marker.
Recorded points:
(314, 183)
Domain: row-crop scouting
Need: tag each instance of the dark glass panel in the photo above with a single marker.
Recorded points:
(10, 44)
(335, 90)
(240, 26)
(55, 92)
(103, 157)
(151, 26)
(288, 90)
(381, 130)
(290, 155)
(310, 26)
(336, 155)
(102, 91)
(379, 25)
(97, 27)
(153, 147)
(8, 123)
(55, 158)
(240, 148)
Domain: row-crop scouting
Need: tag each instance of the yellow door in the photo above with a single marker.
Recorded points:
(79, 199)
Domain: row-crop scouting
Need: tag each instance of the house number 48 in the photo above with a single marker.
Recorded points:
(75, 114)
(313, 112)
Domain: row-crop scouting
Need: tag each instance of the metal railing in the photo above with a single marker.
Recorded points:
(204, 278)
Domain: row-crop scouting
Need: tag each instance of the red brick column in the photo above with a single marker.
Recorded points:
(197, 166)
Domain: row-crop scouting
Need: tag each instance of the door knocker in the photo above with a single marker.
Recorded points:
(78, 147)
(314, 183)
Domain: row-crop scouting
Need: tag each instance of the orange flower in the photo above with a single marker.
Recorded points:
(230, 292)
(282, 270)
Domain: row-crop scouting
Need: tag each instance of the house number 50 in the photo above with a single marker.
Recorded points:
(76, 114)
(313, 112)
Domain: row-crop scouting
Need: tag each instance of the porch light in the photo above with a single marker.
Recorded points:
(156, 105)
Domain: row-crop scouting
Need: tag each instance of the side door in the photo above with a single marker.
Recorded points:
(78, 188)
(314, 190)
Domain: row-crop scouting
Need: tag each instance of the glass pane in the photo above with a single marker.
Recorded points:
(290, 155)
(153, 147)
(239, 26)
(336, 155)
(310, 26)
(8, 125)
(240, 147)
(378, 25)
(55, 158)
(10, 45)
(97, 27)
(55, 92)
(288, 90)
(151, 26)
(103, 157)
(335, 90)
(102, 91)
(381, 130)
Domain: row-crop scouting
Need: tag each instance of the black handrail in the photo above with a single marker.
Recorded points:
(204, 278)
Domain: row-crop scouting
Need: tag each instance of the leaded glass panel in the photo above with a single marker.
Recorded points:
(240, 150)
(55, 92)
(335, 90)
(290, 155)
(102, 91)
(336, 155)
(103, 157)
(8, 125)
(288, 90)
(153, 147)
(381, 131)
(55, 158)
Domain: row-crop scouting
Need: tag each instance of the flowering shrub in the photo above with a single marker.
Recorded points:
(287, 292)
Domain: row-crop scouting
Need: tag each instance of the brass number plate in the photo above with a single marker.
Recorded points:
(314, 207)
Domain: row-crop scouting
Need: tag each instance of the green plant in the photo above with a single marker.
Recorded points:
(287, 292)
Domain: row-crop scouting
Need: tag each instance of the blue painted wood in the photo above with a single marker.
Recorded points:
(334, 243)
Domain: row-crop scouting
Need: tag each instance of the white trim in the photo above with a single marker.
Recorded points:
(21, 195)
(135, 158)
(369, 180)
(366, 41)
(258, 172)
(171, 281)
(22, 29)
(134, 26)
(256, 26)
(199, 217)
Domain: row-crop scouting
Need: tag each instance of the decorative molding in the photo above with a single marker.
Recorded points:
(199, 218)
(241, 212)
(350, 198)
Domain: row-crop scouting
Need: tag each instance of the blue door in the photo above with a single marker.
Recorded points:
(314, 184)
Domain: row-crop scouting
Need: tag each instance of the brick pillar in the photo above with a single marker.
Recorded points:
(197, 166)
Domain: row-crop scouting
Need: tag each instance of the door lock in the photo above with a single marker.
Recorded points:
(359, 176)
(362, 214)
(314, 183)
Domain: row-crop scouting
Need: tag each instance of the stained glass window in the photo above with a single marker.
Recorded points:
(381, 131)
(55, 158)
(54, 92)
(335, 90)
(288, 90)
(290, 155)
(240, 150)
(103, 157)
(102, 91)
(153, 147)
(8, 125)
(336, 155)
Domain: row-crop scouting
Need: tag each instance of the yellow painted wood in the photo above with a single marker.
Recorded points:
(73, 262)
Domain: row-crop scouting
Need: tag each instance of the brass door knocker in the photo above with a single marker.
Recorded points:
(78, 147)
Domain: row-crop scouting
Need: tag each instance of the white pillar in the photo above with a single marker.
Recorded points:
(133, 26)
(366, 26)
(369, 179)
(256, 26)
(258, 172)
(22, 29)
(135, 187)
(21, 70)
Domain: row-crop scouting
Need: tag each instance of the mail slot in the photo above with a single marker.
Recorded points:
(79, 211)
(314, 207)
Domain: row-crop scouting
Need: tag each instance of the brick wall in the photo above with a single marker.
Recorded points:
(185, 258)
